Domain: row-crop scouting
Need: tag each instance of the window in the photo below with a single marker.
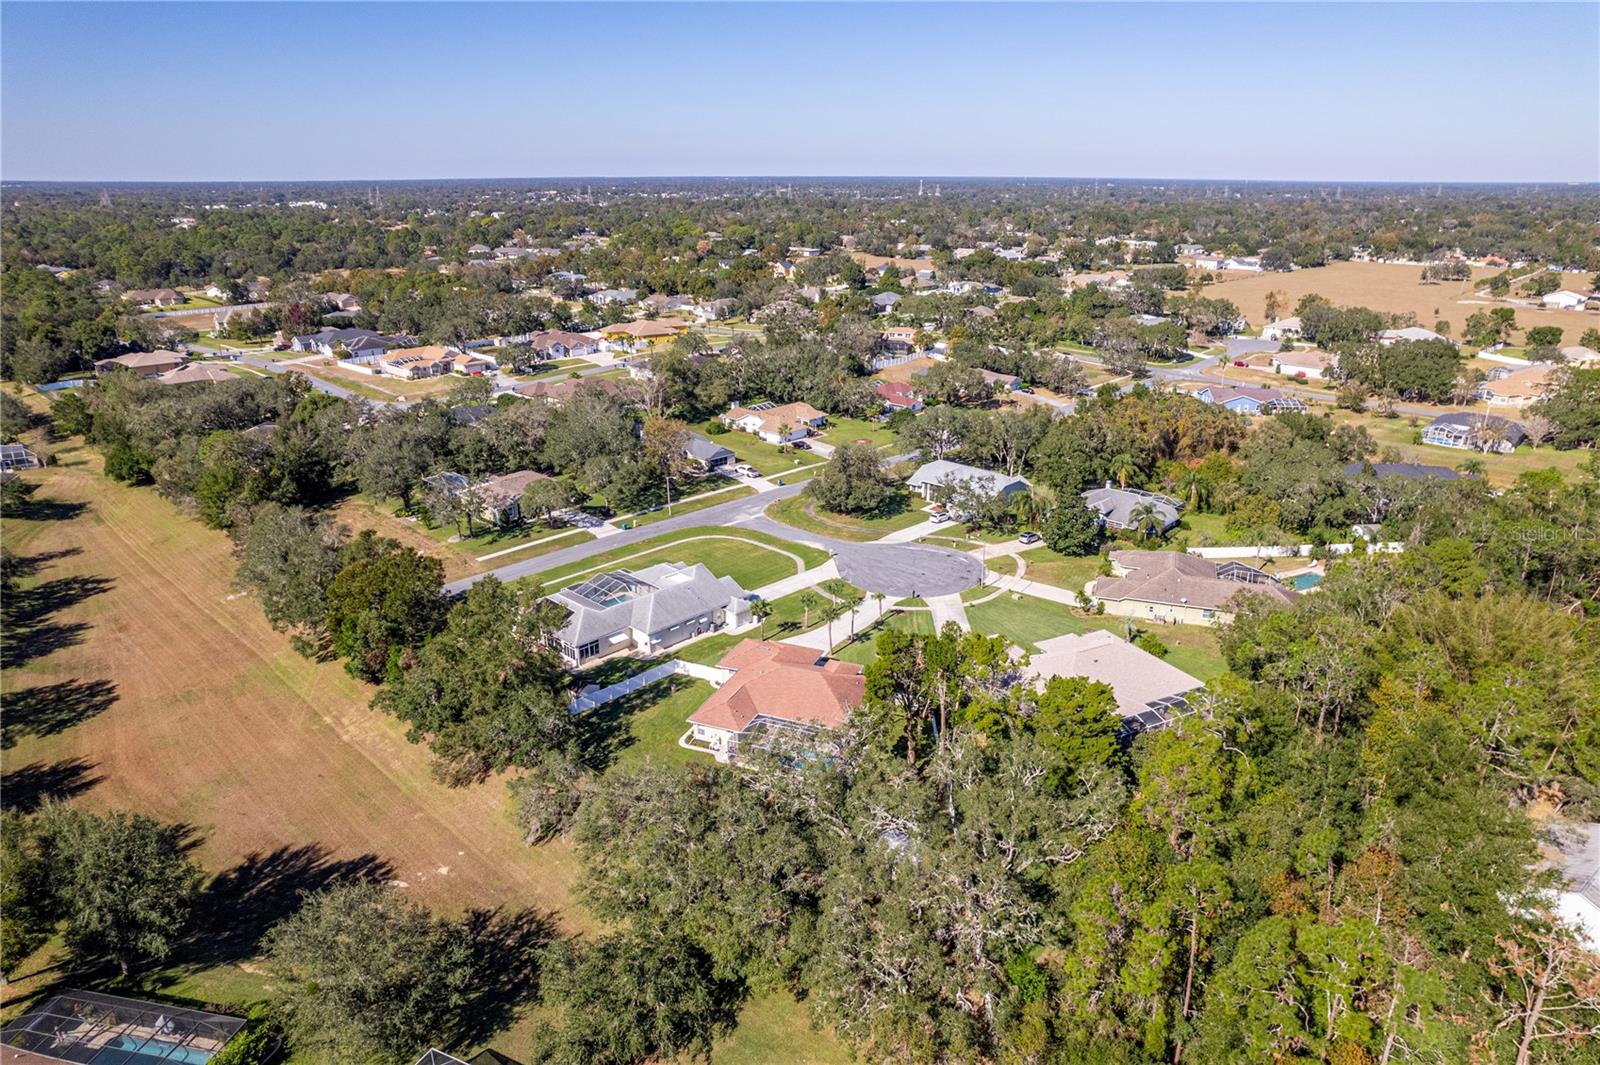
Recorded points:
(1208, 614)
(589, 649)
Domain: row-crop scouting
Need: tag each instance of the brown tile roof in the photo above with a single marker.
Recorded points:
(1179, 579)
(784, 682)
(644, 330)
(144, 360)
(775, 418)
(195, 374)
(560, 391)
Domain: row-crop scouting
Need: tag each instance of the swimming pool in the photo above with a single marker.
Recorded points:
(1303, 581)
(140, 1050)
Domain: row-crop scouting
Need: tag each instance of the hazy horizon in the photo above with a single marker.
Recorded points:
(306, 93)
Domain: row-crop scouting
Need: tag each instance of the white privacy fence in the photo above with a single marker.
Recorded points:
(592, 697)
(1393, 547)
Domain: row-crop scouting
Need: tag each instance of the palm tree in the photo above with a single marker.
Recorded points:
(1123, 467)
(808, 599)
(1194, 488)
(1146, 518)
(761, 610)
(832, 609)
(1473, 467)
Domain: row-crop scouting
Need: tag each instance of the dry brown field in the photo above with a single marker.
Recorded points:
(1394, 289)
(872, 262)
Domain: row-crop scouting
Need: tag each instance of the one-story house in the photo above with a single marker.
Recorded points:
(143, 363)
(1564, 300)
(1411, 471)
(707, 455)
(716, 310)
(1281, 329)
(555, 393)
(648, 610)
(1150, 693)
(562, 344)
(1117, 506)
(934, 478)
(1247, 399)
(1311, 365)
(359, 343)
(1519, 388)
(774, 687)
(885, 301)
(776, 424)
(897, 396)
(631, 336)
(501, 496)
(153, 297)
(1387, 337)
(1176, 588)
(1578, 355)
(432, 360)
(1474, 432)
(195, 374)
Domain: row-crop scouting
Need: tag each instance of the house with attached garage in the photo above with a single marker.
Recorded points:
(707, 455)
(647, 610)
(1387, 337)
(1150, 693)
(1245, 399)
(941, 476)
(774, 423)
(1564, 300)
(360, 345)
(1310, 365)
(775, 690)
(1281, 329)
(1176, 588)
(1474, 432)
(143, 363)
(1121, 508)
(897, 396)
(1518, 388)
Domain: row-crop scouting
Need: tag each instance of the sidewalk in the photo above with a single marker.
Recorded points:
(864, 617)
(799, 582)
(948, 608)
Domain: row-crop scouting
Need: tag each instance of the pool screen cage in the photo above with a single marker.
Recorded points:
(86, 1027)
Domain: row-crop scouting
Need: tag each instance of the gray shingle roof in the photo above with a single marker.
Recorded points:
(650, 600)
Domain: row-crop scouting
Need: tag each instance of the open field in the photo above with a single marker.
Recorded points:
(872, 262)
(1392, 289)
(802, 512)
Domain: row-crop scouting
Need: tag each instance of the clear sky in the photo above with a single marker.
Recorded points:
(1424, 92)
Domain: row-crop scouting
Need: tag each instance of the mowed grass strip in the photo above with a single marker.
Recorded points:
(803, 513)
(752, 565)
(809, 556)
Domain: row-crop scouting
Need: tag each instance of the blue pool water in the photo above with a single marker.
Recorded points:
(1302, 581)
(158, 1050)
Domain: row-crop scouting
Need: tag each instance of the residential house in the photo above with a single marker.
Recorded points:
(776, 424)
(555, 393)
(153, 297)
(501, 496)
(1117, 507)
(885, 301)
(1474, 432)
(17, 457)
(432, 360)
(1001, 382)
(1247, 399)
(900, 339)
(1281, 329)
(633, 336)
(1387, 337)
(1578, 355)
(195, 374)
(707, 455)
(660, 302)
(776, 688)
(1564, 300)
(1176, 588)
(1310, 365)
(939, 477)
(143, 363)
(358, 344)
(343, 301)
(613, 295)
(649, 610)
(562, 344)
(1214, 261)
(1519, 388)
(1411, 471)
(1150, 693)
(716, 310)
(897, 396)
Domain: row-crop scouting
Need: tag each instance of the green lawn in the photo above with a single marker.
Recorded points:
(1206, 529)
(1005, 565)
(1063, 571)
(811, 556)
(760, 454)
(645, 724)
(774, 1027)
(865, 647)
(788, 618)
(843, 430)
(1026, 620)
(689, 506)
(1501, 470)
(801, 512)
(751, 564)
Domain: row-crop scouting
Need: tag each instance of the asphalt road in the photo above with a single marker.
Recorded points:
(894, 569)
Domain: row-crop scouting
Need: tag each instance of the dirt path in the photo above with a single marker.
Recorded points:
(217, 723)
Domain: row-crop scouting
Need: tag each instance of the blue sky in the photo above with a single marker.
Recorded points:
(1424, 92)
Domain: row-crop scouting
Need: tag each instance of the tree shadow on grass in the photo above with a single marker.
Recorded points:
(604, 732)
(49, 709)
(507, 948)
(29, 787)
(28, 507)
(235, 910)
(35, 605)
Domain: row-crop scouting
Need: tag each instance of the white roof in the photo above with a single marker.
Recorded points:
(1137, 677)
(943, 472)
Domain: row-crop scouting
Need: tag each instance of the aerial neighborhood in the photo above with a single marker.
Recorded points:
(956, 622)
